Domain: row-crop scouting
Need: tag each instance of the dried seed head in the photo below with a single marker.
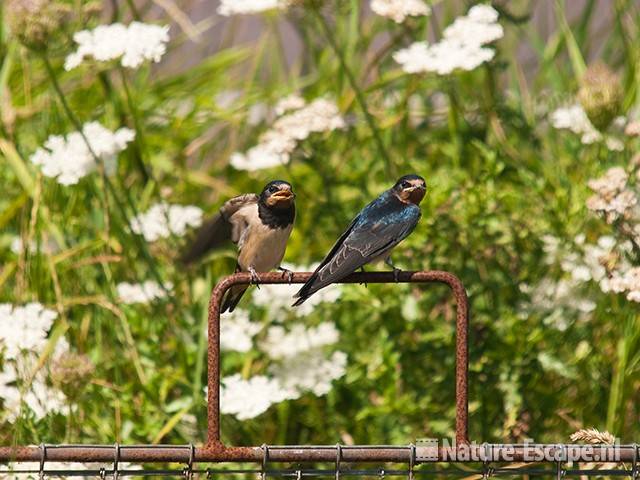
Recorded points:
(593, 436)
(33, 21)
(70, 373)
(600, 95)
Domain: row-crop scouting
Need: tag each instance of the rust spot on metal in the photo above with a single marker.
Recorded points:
(447, 278)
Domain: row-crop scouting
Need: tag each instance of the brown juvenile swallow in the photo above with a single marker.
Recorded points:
(259, 224)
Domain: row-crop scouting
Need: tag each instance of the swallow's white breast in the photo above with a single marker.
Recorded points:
(261, 247)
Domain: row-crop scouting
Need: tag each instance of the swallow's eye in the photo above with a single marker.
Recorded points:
(273, 189)
(405, 184)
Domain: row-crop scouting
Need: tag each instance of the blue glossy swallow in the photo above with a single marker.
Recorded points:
(371, 236)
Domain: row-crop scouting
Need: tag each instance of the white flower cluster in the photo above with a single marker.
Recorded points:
(144, 292)
(245, 399)
(246, 7)
(584, 262)
(628, 282)
(290, 102)
(399, 10)
(278, 298)
(163, 220)
(588, 264)
(301, 365)
(612, 197)
(574, 118)
(462, 46)
(237, 331)
(132, 44)
(282, 344)
(311, 372)
(23, 337)
(69, 159)
(24, 328)
(277, 143)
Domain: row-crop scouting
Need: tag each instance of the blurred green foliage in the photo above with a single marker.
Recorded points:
(499, 179)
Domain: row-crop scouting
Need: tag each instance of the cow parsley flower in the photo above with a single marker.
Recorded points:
(272, 151)
(574, 118)
(24, 334)
(461, 48)
(237, 331)
(245, 399)
(39, 397)
(24, 328)
(300, 365)
(145, 292)
(628, 282)
(282, 344)
(246, 7)
(277, 143)
(68, 159)
(132, 44)
(290, 102)
(278, 298)
(478, 27)
(612, 198)
(163, 220)
(310, 372)
(399, 10)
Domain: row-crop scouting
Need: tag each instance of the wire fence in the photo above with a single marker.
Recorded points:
(475, 462)
(487, 471)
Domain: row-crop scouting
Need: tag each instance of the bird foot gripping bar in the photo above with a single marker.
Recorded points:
(214, 444)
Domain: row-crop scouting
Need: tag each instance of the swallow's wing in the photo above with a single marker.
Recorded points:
(228, 224)
(379, 228)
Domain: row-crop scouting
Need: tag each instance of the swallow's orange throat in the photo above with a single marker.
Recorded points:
(412, 195)
(417, 195)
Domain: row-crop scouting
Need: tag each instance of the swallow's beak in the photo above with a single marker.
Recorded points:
(283, 195)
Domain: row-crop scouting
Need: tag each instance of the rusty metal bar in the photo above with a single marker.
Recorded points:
(461, 452)
(468, 453)
(462, 328)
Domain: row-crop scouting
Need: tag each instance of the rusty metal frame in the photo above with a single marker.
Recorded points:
(216, 451)
(462, 327)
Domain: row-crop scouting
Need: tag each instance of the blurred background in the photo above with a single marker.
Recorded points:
(124, 124)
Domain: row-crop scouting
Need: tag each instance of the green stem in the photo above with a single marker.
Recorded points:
(454, 124)
(134, 11)
(98, 160)
(329, 35)
(136, 124)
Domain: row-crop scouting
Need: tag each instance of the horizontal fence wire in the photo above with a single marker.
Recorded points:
(380, 473)
(627, 465)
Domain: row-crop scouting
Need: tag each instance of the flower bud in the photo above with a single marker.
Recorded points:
(600, 95)
(33, 21)
(70, 372)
